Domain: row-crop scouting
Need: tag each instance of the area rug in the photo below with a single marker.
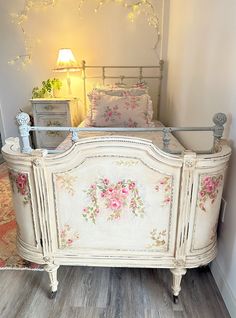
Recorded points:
(9, 259)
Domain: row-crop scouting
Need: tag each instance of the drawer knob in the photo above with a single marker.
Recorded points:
(49, 107)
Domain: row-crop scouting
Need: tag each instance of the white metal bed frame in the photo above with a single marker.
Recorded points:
(124, 76)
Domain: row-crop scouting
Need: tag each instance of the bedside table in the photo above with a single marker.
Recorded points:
(53, 112)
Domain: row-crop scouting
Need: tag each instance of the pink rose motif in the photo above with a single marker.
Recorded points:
(110, 190)
(210, 188)
(125, 191)
(207, 179)
(105, 181)
(115, 204)
(202, 193)
(132, 185)
(69, 241)
(167, 200)
(93, 186)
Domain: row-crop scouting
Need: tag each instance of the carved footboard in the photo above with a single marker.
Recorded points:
(117, 201)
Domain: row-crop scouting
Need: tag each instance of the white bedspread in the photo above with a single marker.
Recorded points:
(155, 137)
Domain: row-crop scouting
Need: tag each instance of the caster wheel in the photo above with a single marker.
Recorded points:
(52, 295)
(175, 299)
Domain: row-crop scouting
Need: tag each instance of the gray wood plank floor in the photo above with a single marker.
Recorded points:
(86, 292)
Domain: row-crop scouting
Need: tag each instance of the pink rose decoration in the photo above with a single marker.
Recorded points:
(132, 185)
(209, 190)
(110, 190)
(202, 193)
(125, 191)
(106, 181)
(115, 204)
(69, 241)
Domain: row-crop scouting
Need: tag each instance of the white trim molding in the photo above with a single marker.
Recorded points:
(224, 288)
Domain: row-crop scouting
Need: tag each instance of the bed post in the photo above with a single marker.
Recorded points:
(161, 64)
(23, 121)
(84, 83)
(219, 120)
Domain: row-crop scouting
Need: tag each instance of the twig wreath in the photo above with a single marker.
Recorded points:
(135, 8)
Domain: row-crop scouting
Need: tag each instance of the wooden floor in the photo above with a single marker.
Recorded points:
(86, 292)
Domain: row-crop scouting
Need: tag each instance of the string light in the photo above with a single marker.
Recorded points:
(135, 8)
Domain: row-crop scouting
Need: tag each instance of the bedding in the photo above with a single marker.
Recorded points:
(155, 137)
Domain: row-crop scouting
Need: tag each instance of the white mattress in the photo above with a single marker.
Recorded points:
(155, 137)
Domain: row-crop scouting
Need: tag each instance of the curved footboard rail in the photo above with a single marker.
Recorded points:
(116, 201)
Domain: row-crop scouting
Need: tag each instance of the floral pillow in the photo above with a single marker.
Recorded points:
(118, 91)
(121, 111)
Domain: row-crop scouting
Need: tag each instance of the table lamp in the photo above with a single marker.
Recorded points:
(66, 62)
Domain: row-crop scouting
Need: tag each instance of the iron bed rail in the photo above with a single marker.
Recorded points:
(23, 121)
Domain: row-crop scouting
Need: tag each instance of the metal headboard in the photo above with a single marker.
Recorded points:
(140, 77)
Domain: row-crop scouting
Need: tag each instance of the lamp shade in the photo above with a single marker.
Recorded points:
(66, 59)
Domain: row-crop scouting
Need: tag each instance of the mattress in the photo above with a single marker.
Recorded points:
(154, 136)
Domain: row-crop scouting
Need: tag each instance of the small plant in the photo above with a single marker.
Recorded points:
(48, 88)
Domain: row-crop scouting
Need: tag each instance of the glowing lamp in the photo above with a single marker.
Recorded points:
(66, 59)
(66, 62)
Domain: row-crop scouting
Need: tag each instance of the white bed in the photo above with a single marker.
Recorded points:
(115, 198)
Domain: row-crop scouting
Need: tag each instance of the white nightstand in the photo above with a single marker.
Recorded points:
(54, 112)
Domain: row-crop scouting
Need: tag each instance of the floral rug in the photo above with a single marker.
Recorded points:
(9, 259)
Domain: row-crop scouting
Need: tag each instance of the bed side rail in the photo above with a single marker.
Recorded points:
(23, 121)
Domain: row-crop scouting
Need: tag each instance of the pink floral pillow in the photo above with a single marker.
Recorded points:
(118, 91)
(121, 111)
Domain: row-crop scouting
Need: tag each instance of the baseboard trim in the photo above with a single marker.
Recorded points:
(224, 288)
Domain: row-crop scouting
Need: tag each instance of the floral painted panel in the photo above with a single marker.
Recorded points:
(115, 207)
(207, 210)
(116, 196)
(165, 186)
(20, 182)
(68, 237)
(209, 189)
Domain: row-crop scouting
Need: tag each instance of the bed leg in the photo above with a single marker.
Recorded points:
(177, 277)
(51, 269)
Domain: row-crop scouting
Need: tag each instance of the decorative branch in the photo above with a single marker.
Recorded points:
(135, 9)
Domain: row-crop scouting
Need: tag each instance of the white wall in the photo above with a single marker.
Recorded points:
(103, 38)
(201, 82)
